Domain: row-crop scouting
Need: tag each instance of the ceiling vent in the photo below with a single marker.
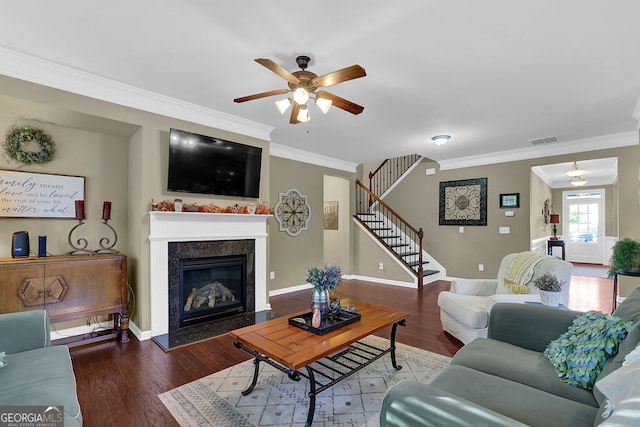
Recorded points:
(547, 140)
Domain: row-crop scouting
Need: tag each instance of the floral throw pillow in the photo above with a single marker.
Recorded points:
(579, 354)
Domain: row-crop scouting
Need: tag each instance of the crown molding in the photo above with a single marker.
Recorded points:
(279, 150)
(25, 67)
(577, 146)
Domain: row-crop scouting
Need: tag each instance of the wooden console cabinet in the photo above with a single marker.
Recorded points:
(68, 287)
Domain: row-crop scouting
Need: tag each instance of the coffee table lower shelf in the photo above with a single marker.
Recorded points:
(328, 371)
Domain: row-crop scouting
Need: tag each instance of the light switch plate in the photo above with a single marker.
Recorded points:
(504, 230)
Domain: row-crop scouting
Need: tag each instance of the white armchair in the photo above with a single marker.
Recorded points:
(465, 308)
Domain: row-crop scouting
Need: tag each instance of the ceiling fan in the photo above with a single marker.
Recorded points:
(304, 85)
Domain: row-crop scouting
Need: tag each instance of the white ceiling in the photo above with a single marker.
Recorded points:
(494, 74)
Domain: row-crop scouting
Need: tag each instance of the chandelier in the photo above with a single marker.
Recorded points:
(576, 175)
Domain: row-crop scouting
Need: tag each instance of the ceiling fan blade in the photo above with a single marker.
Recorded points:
(349, 73)
(295, 109)
(278, 70)
(261, 95)
(341, 103)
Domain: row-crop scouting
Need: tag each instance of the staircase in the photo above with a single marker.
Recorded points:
(401, 239)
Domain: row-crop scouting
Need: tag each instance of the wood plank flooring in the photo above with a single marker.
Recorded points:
(118, 383)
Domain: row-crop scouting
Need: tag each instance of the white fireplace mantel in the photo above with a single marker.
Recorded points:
(165, 227)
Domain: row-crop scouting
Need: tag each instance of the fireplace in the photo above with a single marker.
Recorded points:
(212, 288)
(176, 236)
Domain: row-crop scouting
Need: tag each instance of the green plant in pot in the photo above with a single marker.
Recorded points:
(625, 256)
(550, 287)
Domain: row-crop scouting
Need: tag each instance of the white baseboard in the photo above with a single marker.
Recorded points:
(383, 281)
(290, 289)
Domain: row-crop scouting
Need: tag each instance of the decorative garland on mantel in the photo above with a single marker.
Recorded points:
(16, 135)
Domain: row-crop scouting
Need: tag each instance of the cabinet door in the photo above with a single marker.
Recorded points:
(95, 286)
(21, 287)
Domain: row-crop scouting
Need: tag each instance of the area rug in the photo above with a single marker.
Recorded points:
(276, 400)
(589, 271)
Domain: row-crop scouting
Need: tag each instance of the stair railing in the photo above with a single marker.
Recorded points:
(389, 171)
(363, 208)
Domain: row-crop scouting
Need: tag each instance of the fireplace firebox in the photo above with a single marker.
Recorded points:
(212, 288)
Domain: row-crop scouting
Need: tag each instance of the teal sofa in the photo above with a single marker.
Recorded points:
(506, 380)
(36, 373)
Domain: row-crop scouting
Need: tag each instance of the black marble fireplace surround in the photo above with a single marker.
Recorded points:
(178, 335)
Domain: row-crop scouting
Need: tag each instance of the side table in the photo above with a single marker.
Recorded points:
(551, 243)
(635, 273)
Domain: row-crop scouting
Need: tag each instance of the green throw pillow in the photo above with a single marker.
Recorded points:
(579, 354)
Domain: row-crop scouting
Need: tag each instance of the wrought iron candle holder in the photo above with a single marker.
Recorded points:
(82, 243)
(105, 248)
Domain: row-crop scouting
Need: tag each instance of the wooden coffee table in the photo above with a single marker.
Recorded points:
(327, 359)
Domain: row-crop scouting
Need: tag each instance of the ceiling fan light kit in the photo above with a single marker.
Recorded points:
(323, 104)
(283, 104)
(441, 139)
(304, 85)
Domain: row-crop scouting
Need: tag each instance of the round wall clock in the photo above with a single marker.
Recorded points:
(292, 212)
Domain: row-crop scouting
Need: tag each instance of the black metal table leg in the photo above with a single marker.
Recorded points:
(256, 363)
(312, 397)
(393, 343)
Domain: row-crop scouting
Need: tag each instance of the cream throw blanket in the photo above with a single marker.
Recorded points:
(520, 270)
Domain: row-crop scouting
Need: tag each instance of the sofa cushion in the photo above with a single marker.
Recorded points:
(579, 354)
(466, 309)
(629, 309)
(525, 404)
(42, 377)
(622, 391)
(626, 346)
(520, 365)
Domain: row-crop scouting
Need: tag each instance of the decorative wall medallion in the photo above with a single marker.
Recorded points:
(292, 212)
(463, 202)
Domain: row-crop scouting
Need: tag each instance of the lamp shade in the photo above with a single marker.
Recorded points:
(554, 219)
(301, 96)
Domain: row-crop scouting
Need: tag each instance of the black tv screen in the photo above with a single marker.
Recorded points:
(206, 165)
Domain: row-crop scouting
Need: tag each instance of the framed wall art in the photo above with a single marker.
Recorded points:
(330, 215)
(510, 201)
(463, 202)
(39, 195)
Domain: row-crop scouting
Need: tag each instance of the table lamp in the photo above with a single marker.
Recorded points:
(554, 219)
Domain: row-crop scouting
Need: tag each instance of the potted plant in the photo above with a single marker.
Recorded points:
(323, 280)
(625, 256)
(550, 288)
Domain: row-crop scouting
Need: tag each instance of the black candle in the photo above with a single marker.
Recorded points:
(79, 209)
(106, 210)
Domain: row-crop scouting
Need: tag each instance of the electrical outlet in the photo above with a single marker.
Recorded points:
(380, 266)
(272, 275)
(480, 267)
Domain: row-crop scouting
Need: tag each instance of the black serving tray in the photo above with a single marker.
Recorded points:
(331, 323)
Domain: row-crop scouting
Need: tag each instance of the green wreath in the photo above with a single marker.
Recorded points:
(16, 135)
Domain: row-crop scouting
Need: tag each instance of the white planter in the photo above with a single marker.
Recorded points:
(552, 299)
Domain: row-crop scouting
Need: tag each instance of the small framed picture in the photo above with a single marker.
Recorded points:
(510, 201)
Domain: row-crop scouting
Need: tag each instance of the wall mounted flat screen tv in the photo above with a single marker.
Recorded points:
(207, 165)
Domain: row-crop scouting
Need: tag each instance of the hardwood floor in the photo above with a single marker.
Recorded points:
(118, 383)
